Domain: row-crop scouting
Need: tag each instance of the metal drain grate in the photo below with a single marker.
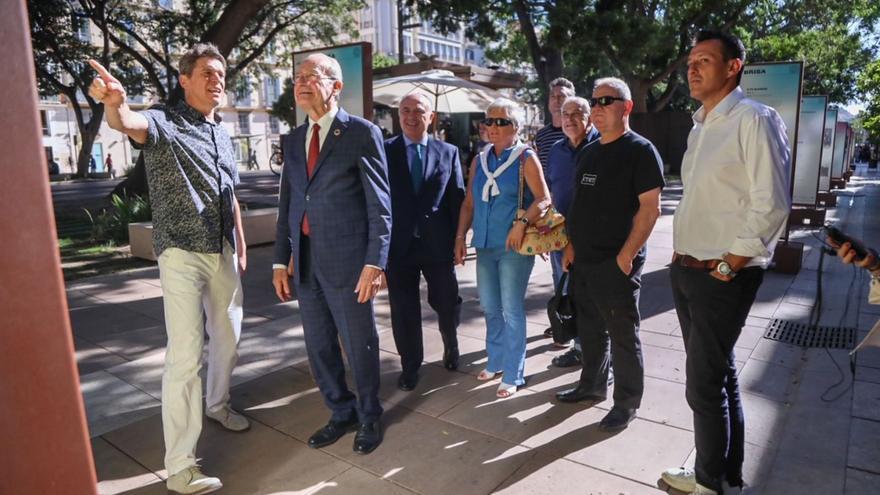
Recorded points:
(805, 335)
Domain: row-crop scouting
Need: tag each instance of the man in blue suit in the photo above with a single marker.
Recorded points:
(427, 190)
(334, 229)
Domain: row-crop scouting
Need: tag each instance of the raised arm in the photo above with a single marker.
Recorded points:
(108, 90)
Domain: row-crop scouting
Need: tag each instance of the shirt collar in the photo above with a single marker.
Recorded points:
(325, 119)
(722, 108)
(407, 141)
(194, 115)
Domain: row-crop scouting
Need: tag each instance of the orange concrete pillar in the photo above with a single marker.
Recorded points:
(44, 442)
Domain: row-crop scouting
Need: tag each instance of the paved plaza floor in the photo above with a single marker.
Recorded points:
(452, 436)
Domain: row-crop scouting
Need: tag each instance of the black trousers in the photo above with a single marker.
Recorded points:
(712, 313)
(607, 319)
(404, 274)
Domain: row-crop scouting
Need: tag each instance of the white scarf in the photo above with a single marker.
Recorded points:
(490, 188)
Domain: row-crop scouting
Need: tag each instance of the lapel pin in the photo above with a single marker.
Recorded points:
(336, 132)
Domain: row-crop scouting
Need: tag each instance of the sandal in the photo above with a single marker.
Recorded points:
(487, 375)
(505, 390)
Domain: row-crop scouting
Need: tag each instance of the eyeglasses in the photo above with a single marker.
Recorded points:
(309, 78)
(497, 122)
(604, 101)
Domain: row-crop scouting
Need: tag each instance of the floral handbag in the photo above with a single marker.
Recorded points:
(547, 233)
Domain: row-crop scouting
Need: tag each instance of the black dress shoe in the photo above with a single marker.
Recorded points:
(450, 358)
(408, 381)
(331, 432)
(367, 438)
(577, 394)
(617, 419)
(567, 360)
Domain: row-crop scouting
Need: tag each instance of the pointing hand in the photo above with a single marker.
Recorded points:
(106, 88)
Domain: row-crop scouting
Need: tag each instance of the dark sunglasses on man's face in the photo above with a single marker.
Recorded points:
(497, 122)
(604, 101)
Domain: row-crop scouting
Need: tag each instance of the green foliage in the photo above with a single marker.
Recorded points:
(112, 224)
(869, 83)
(283, 108)
(381, 60)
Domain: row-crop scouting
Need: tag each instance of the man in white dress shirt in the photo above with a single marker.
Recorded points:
(736, 200)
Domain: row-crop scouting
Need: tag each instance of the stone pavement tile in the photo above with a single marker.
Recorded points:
(272, 345)
(764, 307)
(757, 321)
(415, 445)
(772, 351)
(792, 312)
(667, 364)
(861, 482)
(868, 356)
(123, 290)
(135, 344)
(355, 480)
(548, 475)
(750, 337)
(146, 373)
(767, 380)
(650, 338)
(639, 453)
(866, 374)
(79, 299)
(118, 473)
(95, 322)
(764, 420)
(438, 391)
(664, 402)
(866, 401)
(832, 361)
(518, 419)
(791, 474)
(273, 311)
(260, 461)
(863, 441)
(112, 403)
(824, 390)
(91, 358)
(665, 323)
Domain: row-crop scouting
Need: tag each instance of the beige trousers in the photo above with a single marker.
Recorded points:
(200, 292)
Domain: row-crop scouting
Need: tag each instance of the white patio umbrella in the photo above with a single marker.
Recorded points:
(451, 94)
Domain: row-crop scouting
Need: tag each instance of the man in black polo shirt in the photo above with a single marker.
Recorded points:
(199, 240)
(616, 202)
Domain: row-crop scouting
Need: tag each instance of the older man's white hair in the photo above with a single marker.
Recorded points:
(581, 103)
(425, 99)
(615, 84)
(513, 110)
(326, 65)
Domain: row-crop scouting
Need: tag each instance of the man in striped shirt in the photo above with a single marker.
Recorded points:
(560, 89)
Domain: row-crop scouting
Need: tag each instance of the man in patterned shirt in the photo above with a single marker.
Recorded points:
(199, 240)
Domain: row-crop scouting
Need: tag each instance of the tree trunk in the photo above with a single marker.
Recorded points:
(639, 89)
(88, 131)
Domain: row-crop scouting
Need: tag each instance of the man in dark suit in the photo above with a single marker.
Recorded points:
(334, 228)
(427, 190)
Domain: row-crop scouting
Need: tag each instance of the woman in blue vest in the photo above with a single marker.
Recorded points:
(491, 207)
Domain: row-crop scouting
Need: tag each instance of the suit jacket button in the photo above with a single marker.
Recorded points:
(426, 216)
(307, 197)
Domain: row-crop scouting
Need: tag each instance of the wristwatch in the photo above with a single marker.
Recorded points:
(724, 268)
(522, 220)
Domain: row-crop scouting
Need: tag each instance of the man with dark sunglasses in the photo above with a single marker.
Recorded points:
(733, 209)
(616, 203)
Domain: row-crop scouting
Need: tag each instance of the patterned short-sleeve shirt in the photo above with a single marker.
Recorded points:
(192, 175)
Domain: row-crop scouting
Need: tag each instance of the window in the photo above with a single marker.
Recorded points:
(271, 90)
(270, 53)
(165, 4)
(243, 93)
(44, 119)
(407, 45)
(470, 54)
(244, 122)
(274, 125)
(82, 28)
(422, 46)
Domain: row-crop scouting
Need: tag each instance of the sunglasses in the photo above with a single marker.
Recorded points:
(497, 122)
(604, 101)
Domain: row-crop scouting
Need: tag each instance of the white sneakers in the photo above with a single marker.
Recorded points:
(191, 481)
(682, 479)
(229, 419)
(685, 480)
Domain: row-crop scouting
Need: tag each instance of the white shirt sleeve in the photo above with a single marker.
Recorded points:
(768, 166)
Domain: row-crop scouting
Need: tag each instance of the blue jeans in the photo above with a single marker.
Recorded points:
(556, 265)
(502, 279)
